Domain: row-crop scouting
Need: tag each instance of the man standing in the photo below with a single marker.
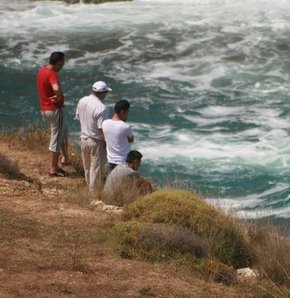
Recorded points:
(118, 134)
(51, 105)
(91, 112)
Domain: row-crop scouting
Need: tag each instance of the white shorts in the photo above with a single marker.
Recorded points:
(58, 128)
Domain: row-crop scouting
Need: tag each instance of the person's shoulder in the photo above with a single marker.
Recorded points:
(84, 98)
(108, 121)
(125, 168)
(102, 106)
(124, 124)
(43, 69)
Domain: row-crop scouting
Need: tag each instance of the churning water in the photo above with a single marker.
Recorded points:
(208, 81)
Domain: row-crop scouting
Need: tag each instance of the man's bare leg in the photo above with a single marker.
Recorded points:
(54, 162)
(64, 154)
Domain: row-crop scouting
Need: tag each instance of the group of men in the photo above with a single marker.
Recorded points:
(105, 143)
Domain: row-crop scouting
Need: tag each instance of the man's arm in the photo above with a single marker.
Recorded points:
(101, 134)
(131, 139)
(58, 97)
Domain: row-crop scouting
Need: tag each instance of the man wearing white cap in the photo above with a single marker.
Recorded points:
(91, 112)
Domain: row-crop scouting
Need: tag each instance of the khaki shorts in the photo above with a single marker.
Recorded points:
(58, 128)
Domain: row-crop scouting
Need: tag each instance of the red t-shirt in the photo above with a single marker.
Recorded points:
(45, 79)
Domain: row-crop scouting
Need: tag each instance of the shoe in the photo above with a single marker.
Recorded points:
(59, 173)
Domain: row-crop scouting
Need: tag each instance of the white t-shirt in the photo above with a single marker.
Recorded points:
(91, 113)
(116, 136)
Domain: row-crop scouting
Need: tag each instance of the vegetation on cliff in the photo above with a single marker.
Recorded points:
(170, 243)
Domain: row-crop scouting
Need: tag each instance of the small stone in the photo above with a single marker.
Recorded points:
(247, 274)
(97, 203)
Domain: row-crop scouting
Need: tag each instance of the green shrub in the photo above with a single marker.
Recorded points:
(157, 242)
(224, 238)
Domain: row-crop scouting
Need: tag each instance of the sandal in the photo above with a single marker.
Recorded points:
(59, 173)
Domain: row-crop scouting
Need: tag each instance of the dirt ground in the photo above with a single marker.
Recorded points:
(52, 243)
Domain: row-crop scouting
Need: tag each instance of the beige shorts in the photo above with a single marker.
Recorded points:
(58, 128)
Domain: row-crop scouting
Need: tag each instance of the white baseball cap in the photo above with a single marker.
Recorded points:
(101, 86)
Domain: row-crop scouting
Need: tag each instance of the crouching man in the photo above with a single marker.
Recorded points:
(124, 182)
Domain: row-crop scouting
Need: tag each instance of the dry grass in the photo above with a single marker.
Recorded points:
(123, 196)
(9, 168)
(32, 137)
(58, 245)
(271, 247)
(218, 272)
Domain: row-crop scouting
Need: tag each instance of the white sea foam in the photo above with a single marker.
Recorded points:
(211, 75)
(254, 205)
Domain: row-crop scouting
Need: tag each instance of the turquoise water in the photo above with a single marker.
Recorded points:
(208, 82)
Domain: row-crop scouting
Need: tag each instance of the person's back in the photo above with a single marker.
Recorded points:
(118, 134)
(120, 179)
(124, 183)
(45, 79)
(91, 112)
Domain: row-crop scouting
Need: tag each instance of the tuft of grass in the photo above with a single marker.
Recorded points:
(218, 272)
(157, 242)
(271, 246)
(225, 239)
(123, 195)
(33, 136)
(9, 168)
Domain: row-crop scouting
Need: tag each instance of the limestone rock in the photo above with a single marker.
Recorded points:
(244, 274)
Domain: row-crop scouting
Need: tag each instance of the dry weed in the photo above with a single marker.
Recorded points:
(9, 168)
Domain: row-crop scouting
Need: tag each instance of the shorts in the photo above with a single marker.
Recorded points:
(58, 128)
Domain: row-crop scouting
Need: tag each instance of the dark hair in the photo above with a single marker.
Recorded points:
(121, 105)
(133, 155)
(56, 57)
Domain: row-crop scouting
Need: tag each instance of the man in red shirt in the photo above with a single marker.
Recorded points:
(51, 105)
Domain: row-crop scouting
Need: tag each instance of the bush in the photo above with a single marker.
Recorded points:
(158, 242)
(224, 238)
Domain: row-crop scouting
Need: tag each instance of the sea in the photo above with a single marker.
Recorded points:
(208, 82)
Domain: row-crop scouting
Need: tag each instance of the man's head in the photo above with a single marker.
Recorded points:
(100, 89)
(57, 60)
(134, 159)
(122, 109)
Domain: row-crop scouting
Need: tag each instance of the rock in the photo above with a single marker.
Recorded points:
(102, 206)
(97, 203)
(244, 274)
